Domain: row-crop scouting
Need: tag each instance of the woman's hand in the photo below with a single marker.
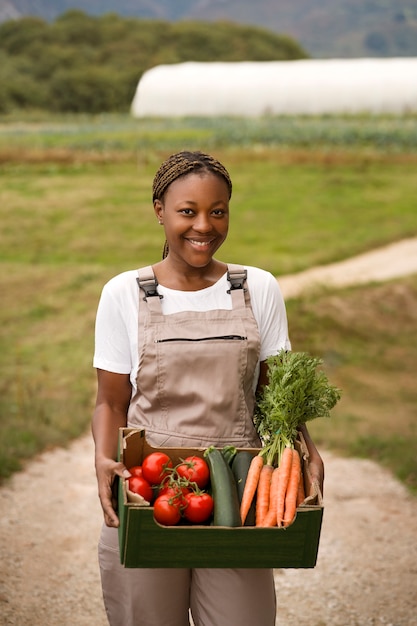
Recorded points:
(108, 472)
(113, 396)
(316, 468)
(316, 465)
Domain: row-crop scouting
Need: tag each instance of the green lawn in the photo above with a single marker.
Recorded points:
(75, 209)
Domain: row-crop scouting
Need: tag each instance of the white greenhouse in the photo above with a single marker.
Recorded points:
(252, 89)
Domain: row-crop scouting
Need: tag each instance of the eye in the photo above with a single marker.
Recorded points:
(186, 211)
(219, 212)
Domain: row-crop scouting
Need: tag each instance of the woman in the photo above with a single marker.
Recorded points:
(180, 351)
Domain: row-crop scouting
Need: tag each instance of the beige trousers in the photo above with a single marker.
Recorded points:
(162, 597)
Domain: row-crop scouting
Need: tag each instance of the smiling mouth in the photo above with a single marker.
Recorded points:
(201, 244)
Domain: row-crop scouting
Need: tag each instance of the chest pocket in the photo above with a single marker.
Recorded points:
(206, 339)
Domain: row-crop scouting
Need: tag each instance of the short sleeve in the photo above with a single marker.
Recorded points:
(112, 344)
(270, 313)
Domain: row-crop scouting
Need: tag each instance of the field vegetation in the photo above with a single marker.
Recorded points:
(75, 209)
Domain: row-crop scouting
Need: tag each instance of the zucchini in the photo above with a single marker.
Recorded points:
(229, 453)
(240, 469)
(224, 490)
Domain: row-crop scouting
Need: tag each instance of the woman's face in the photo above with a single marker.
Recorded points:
(195, 214)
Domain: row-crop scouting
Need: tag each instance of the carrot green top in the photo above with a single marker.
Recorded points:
(297, 391)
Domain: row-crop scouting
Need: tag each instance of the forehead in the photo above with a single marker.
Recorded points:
(204, 182)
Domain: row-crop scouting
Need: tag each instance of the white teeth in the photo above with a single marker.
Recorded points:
(199, 243)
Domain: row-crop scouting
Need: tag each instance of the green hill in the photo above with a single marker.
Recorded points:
(81, 63)
(325, 28)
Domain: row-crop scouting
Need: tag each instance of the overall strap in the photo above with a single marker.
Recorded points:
(148, 285)
(237, 275)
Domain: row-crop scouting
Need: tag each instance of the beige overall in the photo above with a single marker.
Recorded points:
(194, 388)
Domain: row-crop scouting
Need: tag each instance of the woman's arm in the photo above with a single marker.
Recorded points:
(110, 414)
(263, 376)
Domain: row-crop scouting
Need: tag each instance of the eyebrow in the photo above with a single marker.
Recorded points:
(192, 203)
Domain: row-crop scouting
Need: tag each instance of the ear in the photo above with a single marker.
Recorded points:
(159, 210)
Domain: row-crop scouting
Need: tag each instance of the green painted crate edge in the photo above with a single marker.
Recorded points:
(145, 543)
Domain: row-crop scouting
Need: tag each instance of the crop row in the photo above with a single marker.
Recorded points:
(123, 133)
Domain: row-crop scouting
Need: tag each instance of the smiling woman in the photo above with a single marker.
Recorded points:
(181, 348)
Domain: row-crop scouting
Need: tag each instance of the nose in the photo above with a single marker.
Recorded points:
(202, 223)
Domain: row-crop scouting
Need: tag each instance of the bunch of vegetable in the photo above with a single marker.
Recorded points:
(198, 490)
(230, 487)
(297, 392)
(176, 492)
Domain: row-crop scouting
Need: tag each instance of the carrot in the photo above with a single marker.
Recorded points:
(292, 490)
(270, 518)
(251, 484)
(301, 495)
(262, 494)
(284, 476)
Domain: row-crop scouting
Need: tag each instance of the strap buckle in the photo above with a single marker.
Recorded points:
(149, 286)
(237, 280)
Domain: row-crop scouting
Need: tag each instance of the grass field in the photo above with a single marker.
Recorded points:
(75, 209)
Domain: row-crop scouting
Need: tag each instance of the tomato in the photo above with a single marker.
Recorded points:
(154, 467)
(199, 507)
(176, 493)
(136, 470)
(194, 469)
(139, 485)
(166, 511)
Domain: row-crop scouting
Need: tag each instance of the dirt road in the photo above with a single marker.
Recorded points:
(367, 566)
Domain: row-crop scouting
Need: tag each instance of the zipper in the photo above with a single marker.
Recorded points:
(224, 337)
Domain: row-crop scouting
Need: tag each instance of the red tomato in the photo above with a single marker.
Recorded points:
(166, 511)
(175, 493)
(195, 469)
(199, 507)
(154, 467)
(139, 485)
(136, 470)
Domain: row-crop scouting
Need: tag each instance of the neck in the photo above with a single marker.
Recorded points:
(188, 278)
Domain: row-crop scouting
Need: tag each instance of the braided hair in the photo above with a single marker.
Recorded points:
(181, 164)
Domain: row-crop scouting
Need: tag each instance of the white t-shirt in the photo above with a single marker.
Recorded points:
(116, 335)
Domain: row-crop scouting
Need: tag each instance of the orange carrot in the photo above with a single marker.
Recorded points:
(262, 494)
(270, 518)
(292, 490)
(251, 484)
(301, 495)
(284, 476)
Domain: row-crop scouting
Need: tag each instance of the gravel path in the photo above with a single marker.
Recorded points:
(393, 261)
(367, 565)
